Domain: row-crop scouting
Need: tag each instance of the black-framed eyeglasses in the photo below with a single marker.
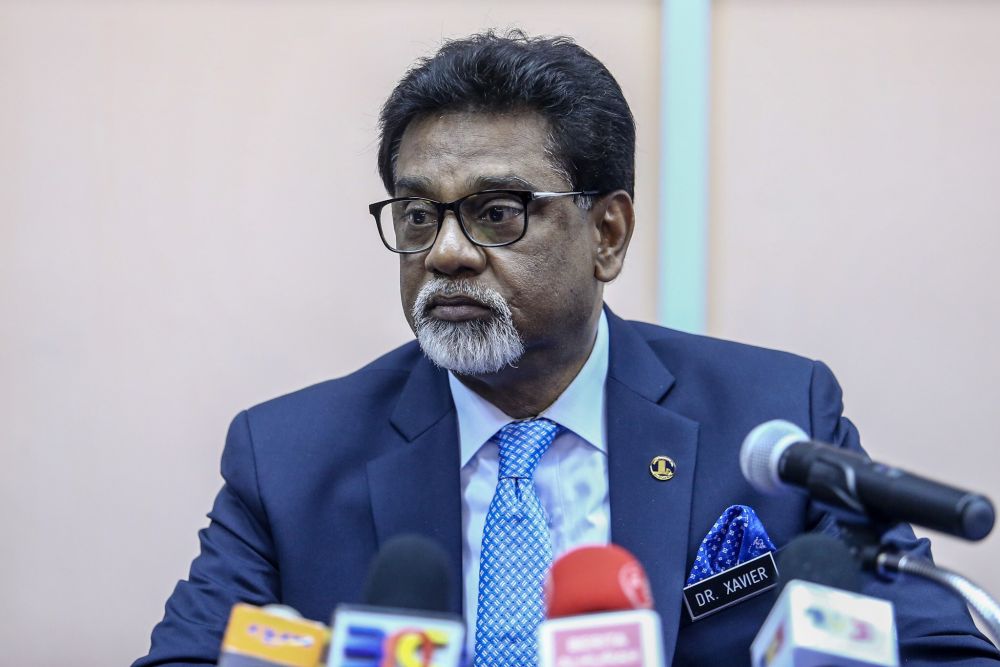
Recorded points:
(490, 218)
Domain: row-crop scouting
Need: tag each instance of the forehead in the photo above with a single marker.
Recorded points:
(449, 155)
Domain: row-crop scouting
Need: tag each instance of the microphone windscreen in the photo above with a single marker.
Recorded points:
(820, 559)
(410, 572)
(761, 450)
(596, 579)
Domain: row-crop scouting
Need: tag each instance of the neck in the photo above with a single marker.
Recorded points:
(539, 378)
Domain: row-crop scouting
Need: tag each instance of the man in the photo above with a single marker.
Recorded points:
(509, 162)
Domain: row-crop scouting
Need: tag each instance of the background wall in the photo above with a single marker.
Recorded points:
(183, 191)
(855, 218)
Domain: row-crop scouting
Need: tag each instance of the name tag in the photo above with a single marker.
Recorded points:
(730, 587)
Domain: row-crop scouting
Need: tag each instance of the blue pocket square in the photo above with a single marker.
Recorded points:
(736, 537)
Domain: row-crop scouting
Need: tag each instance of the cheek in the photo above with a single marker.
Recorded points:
(556, 288)
(411, 278)
(528, 280)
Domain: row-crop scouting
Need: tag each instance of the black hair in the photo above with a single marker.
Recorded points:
(592, 132)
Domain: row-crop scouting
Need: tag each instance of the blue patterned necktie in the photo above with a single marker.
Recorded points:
(516, 551)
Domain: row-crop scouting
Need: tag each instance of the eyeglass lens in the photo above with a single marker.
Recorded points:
(489, 218)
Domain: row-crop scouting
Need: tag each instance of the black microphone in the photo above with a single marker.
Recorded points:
(404, 619)
(410, 572)
(820, 559)
(778, 454)
(820, 618)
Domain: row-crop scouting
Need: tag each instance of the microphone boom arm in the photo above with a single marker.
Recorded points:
(862, 537)
(888, 563)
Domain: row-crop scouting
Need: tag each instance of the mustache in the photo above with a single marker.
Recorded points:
(481, 345)
(444, 287)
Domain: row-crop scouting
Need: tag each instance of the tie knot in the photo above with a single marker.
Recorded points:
(522, 445)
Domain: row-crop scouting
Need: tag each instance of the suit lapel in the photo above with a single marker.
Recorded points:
(415, 488)
(650, 518)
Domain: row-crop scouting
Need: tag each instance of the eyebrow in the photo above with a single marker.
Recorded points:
(424, 187)
(416, 185)
(502, 182)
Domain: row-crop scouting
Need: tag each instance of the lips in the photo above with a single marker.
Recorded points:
(456, 308)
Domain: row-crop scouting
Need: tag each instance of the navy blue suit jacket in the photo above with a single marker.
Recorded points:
(315, 481)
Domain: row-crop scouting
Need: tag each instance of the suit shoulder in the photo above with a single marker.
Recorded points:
(729, 387)
(381, 378)
(681, 351)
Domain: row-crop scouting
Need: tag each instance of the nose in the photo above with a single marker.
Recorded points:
(453, 253)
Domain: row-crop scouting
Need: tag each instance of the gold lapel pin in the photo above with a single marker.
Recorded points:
(662, 468)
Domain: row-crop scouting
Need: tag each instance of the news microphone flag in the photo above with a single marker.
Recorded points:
(403, 621)
(379, 637)
(262, 637)
(599, 612)
(812, 625)
(611, 639)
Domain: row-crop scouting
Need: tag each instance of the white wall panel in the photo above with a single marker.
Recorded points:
(855, 218)
(184, 233)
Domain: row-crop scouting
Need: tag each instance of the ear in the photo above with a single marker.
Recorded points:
(614, 220)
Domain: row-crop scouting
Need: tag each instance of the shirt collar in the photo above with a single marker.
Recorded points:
(580, 408)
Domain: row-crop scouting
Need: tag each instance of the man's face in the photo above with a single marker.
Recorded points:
(546, 279)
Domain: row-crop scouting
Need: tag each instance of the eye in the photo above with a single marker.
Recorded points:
(499, 213)
(417, 213)
(498, 210)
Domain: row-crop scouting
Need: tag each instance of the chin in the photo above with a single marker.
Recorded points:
(470, 347)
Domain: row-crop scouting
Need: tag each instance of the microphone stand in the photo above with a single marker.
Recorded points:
(864, 539)
(888, 564)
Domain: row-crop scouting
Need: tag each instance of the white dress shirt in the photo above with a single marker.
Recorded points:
(571, 479)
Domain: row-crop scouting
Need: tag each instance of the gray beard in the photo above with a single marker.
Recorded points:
(473, 347)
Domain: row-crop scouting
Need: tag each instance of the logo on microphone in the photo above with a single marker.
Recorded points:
(369, 646)
(274, 637)
(373, 637)
(842, 625)
(635, 585)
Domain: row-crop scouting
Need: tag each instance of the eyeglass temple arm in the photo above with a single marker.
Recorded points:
(549, 195)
